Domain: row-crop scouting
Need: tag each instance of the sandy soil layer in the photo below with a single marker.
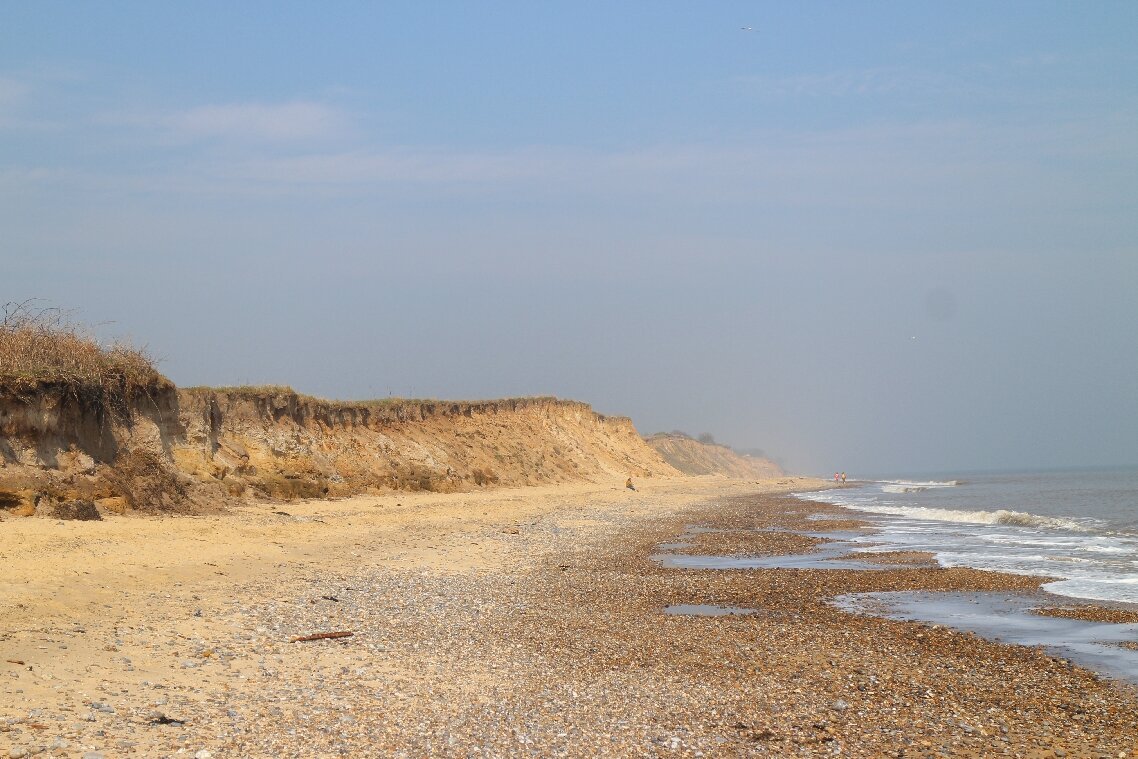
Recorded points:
(510, 623)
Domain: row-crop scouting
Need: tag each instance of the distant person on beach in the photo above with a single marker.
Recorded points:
(837, 476)
(843, 476)
(628, 484)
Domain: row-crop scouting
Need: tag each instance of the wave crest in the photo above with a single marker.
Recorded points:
(1024, 519)
(904, 488)
(913, 486)
(1001, 516)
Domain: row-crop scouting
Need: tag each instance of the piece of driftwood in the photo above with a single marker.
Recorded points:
(14, 661)
(321, 636)
(162, 719)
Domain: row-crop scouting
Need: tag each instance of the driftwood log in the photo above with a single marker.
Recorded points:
(321, 636)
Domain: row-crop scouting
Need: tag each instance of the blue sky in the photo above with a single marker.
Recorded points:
(876, 237)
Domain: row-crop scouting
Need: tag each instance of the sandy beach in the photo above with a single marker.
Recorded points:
(513, 622)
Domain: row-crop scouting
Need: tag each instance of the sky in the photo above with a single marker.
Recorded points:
(873, 237)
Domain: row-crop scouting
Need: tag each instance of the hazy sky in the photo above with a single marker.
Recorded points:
(878, 237)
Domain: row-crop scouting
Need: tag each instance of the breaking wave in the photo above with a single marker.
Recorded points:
(1000, 516)
(905, 486)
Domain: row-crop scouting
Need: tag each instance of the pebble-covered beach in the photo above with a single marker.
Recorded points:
(534, 628)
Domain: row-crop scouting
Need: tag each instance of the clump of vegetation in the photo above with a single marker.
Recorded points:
(254, 391)
(44, 346)
(147, 482)
(483, 477)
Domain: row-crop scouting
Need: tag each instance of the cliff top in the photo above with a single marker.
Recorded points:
(41, 346)
(279, 393)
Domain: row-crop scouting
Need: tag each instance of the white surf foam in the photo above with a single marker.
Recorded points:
(999, 516)
(1088, 556)
(1097, 587)
(914, 486)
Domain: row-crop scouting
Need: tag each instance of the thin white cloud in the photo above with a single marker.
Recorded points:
(858, 82)
(421, 165)
(296, 121)
(278, 122)
(11, 90)
(900, 167)
(12, 94)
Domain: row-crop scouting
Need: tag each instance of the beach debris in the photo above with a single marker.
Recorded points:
(80, 510)
(321, 636)
(161, 719)
(330, 598)
(15, 661)
(756, 734)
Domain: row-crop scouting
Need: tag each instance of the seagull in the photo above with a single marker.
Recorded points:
(746, 28)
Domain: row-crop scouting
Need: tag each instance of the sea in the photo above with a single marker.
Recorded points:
(1077, 526)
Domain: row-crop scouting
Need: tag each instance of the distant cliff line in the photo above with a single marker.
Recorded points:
(698, 457)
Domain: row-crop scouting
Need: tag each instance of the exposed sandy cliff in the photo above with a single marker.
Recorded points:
(284, 444)
(690, 456)
(175, 450)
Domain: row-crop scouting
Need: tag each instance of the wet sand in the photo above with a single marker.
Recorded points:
(511, 623)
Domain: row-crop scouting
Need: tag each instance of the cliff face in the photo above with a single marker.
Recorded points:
(693, 457)
(285, 445)
(184, 450)
(61, 442)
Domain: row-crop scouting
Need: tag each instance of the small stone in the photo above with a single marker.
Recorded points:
(203, 754)
(94, 755)
(839, 705)
(17, 752)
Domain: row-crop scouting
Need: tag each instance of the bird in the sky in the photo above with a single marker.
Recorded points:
(746, 28)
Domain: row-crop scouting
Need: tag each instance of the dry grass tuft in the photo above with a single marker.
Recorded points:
(42, 345)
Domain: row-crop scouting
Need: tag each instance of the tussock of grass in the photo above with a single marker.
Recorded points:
(261, 391)
(249, 390)
(41, 345)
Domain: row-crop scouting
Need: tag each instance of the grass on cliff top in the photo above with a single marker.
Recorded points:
(42, 345)
(260, 391)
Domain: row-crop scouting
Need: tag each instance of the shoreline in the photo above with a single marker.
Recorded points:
(508, 621)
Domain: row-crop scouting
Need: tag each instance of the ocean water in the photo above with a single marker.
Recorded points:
(1078, 526)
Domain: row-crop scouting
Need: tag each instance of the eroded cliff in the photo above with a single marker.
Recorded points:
(167, 449)
(286, 445)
